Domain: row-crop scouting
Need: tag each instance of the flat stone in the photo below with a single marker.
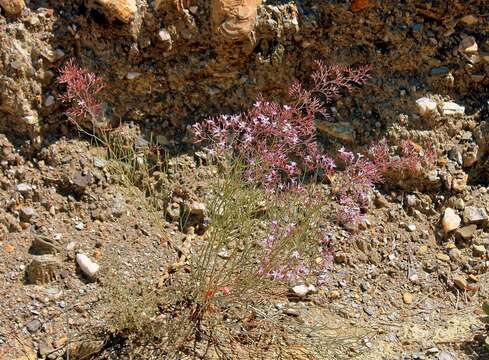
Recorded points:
(445, 355)
(460, 282)
(369, 310)
(23, 188)
(474, 215)
(341, 130)
(411, 227)
(450, 221)
(300, 290)
(131, 75)
(33, 325)
(291, 311)
(43, 269)
(43, 245)
(81, 181)
(479, 250)
(443, 257)
(452, 108)
(469, 20)
(466, 232)
(426, 106)
(442, 70)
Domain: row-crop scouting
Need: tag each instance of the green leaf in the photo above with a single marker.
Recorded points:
(485, 307)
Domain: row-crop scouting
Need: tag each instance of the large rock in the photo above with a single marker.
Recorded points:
(426, 106)
(452, 108)
(474, 215)
(43, 269)
(12, 7)
(122, 10)
(233, 20)
(341, 130)
(450, 221)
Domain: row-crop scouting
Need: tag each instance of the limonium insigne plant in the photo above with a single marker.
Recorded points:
(278, 142)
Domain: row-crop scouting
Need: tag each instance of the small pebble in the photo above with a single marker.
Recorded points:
(33, 325)
(407, 298)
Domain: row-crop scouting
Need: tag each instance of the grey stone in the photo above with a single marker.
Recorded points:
(118, 205)
(474, 215)
(369, 310)
(456, 155)
(26, 214)
(33, 325)
(442, 70)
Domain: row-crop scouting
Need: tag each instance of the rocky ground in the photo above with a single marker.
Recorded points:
(408, 286)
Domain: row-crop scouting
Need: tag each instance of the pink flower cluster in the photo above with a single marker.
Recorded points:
(355, 185)
(278, 142)
(82, 92)
(363, 172)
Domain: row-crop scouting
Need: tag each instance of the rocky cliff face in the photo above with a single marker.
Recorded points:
(172, 62)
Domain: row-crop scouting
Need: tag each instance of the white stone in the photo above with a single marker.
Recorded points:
(164, 35)
(452, 108)
(450, 221)
(49, 101)
(301, 290)
(87, 266)
(131, 75)
(411, 227)
(426, 105)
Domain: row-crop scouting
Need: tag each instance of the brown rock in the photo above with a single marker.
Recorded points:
(468, 45)
(341, 130)
(459, 182)
(443, 257)
(123, 10)
(13, 7)
(43, 269)
(469, 20)
(466, 233)
(234, 20)
(450, 221)
(460, 282)
(407, 298)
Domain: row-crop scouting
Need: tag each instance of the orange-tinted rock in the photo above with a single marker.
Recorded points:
(234, 19)
(123, 10)
(12, 7)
